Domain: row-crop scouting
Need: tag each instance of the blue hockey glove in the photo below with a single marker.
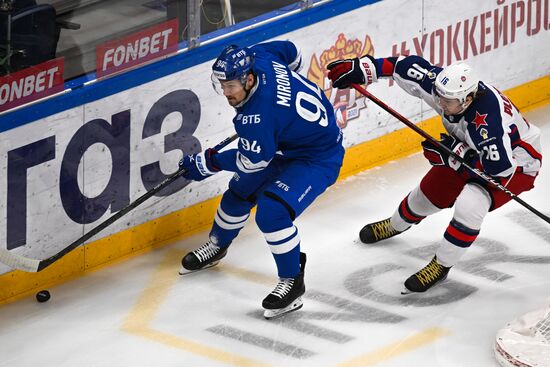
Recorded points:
(437, 156)
(352, 71)
(199, 166)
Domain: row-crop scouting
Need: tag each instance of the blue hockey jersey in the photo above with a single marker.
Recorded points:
(284, 114)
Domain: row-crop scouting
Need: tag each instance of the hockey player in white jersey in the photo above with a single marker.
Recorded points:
(290, 150)
(483, 127)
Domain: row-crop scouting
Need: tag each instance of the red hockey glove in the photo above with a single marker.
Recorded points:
(344, 72)
(437, 156)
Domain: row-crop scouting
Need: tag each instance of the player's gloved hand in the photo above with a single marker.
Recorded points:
(437, 156)
(200, 165)
(344, 72)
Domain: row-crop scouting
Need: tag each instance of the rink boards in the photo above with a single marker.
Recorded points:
(64, 173)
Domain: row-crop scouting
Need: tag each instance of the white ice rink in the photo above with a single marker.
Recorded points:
(141, 313)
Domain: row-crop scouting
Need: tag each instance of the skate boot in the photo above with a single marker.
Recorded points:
(204, 257)
(377, 231)
(426, 277)
(286, 297)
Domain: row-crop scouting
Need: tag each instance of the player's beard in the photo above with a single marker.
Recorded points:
(232, 101)
(235, 99)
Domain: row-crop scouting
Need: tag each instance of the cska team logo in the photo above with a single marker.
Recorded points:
(347, 102)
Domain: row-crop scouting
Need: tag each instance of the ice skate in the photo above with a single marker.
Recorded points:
(426, 277)
(206, 256)
(377, 231)
(286, 297)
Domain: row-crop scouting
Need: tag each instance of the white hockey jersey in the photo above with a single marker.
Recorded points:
(491, 125)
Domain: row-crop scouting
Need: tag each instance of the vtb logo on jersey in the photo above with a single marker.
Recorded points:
(347, 102)
(283, 186)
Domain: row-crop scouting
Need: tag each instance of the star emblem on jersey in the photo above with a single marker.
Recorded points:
(479, 120)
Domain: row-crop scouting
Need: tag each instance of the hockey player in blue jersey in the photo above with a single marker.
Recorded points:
(289, 151)
(483, 127)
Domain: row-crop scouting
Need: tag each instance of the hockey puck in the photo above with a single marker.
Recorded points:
(43, 296)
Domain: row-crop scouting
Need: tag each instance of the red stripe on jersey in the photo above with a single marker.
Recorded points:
(529, 149)
(532, 151)
(461, 236)
(387, 67)
(518, 142)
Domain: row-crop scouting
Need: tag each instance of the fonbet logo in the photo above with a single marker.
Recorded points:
(347, 102)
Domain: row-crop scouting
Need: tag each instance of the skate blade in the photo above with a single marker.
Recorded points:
(294, 306)
(184, 271)
(406, 290)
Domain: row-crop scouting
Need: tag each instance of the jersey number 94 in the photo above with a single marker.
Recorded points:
(313, 110)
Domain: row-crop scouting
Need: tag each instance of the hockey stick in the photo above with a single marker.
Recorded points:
(32, 265)
(427, 136)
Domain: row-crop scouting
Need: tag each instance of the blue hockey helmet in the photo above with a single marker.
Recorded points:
(233, 63)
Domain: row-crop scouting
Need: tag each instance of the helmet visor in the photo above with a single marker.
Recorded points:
(447, 104)
(226, 87)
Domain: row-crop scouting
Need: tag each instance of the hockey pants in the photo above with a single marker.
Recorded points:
(443, 187)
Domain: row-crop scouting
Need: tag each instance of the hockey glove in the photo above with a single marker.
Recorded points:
(199, 166)
(362, 70)
(437, 156)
